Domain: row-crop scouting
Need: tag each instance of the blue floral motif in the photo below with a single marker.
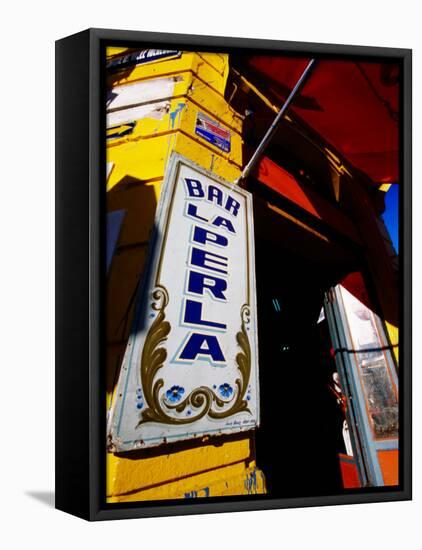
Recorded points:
(225, 390)
(175, 393)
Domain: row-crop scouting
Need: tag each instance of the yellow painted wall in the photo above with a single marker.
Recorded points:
(393, 333)
(213, 466)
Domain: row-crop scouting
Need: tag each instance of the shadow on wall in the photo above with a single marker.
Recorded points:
(178, 446)
(138, 202)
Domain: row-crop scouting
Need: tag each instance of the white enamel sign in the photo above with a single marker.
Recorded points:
(191, 364)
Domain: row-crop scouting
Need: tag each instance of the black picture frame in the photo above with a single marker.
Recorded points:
(80, 169)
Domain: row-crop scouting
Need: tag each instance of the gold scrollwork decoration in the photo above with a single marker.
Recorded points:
(243, 360)
(201, 399)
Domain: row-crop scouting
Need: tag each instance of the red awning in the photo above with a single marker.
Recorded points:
(352, 105)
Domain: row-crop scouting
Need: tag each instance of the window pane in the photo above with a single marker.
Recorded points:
(370, 358)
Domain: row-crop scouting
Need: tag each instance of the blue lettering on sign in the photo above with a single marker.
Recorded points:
(202, 258)
(232, 206)
(194, 188)
(204, 236)
(193, 315)
(211, 194)
(224, 222)
(202, 344)
(198, 282)
(192, 211)
(217, 221)
(215, 195)
(210, 283)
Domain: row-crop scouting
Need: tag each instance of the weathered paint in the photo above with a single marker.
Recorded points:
(230, 480)
(143, 154)
(211, 467)
(157, 467)
(205, 492)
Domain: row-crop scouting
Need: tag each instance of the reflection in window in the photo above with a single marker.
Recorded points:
(370, 356)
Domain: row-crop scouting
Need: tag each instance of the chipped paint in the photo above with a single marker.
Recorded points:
(176, 114)
(216, 466)
(152, 110)
(205, 492)
(139, 93)
(135, 101)
(251, 484)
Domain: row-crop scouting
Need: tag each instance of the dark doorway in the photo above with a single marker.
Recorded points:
(300, 436)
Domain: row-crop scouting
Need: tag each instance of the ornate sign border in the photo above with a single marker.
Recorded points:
(203, 400)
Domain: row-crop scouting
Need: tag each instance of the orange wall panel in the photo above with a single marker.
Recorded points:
(389, 462)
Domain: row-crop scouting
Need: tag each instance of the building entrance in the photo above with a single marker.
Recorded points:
(301, 423)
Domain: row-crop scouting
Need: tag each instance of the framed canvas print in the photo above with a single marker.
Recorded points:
(233, 274)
